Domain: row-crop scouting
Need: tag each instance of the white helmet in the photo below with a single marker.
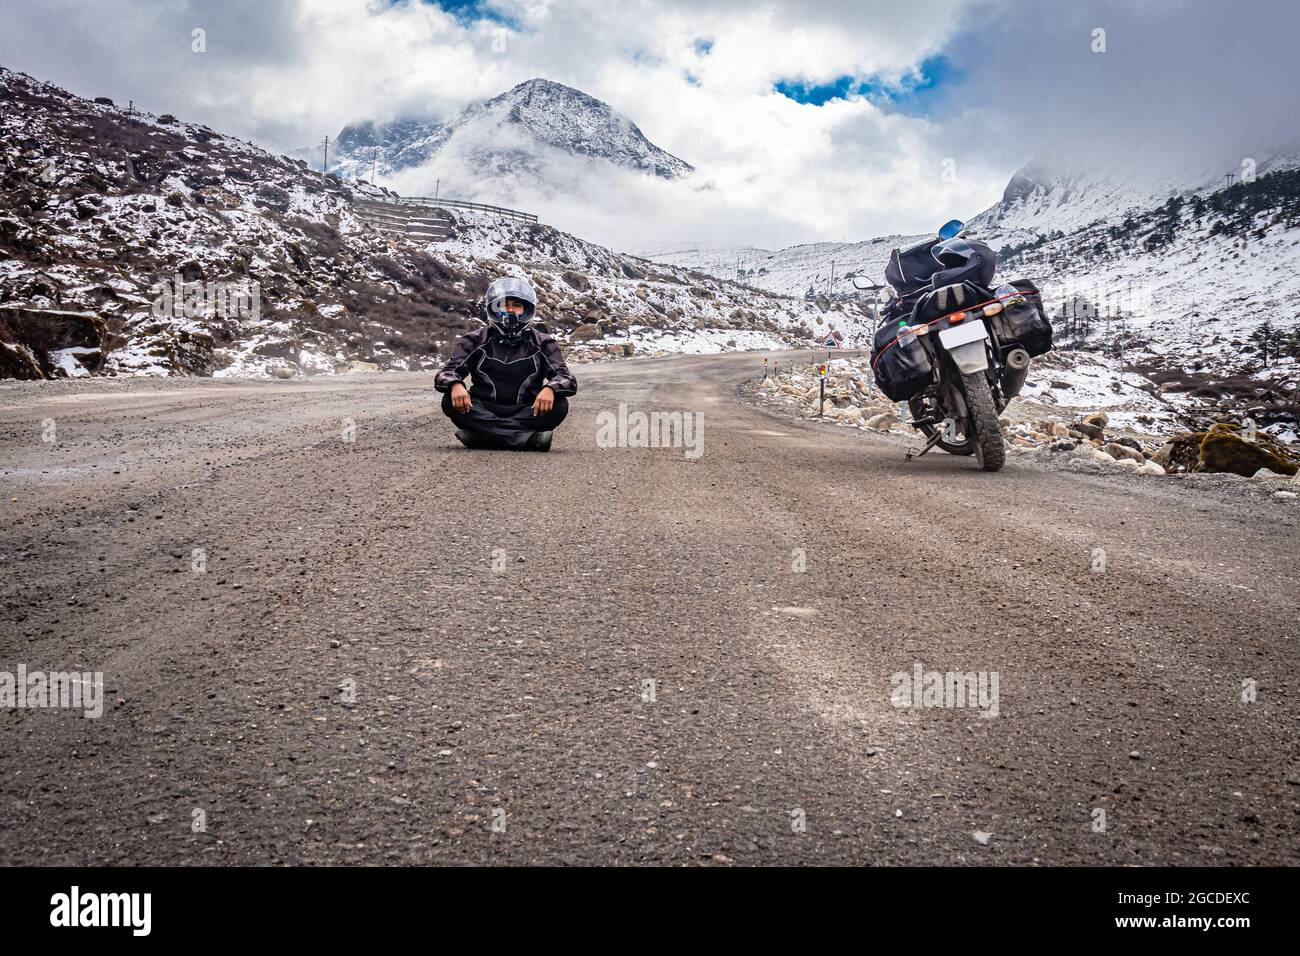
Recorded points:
(509, 326)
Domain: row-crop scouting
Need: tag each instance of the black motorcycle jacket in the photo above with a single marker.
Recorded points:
(507, 374)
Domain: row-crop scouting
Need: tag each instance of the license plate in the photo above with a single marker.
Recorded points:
(968, 331)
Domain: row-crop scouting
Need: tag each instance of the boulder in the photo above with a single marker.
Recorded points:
(17, 361)
(1121, 452)
(1089, 430)
(1097, 419)
(279, 348)
(33, 339)
(1164, 455)
(1223, 449)
(882, 422)
(585, 332)
(1150, 468)
(576, 281)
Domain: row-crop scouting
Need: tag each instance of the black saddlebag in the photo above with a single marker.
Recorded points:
(900, 372)
(1022, 321)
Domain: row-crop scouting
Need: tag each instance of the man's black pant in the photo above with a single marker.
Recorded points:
(506, 425)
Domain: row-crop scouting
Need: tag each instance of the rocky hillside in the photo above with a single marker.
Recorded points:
(1201, 293)
(104, 213)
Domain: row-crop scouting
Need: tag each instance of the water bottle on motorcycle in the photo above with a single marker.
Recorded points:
(908, 343)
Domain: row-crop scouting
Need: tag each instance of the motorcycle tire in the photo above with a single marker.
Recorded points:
(990, 450)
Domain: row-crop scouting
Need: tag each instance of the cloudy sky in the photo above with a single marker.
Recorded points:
(811, 120)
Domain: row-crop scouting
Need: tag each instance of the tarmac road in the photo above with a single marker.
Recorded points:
(396, 650)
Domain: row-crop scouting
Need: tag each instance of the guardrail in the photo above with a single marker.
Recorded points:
(455, 204)
(409, 220)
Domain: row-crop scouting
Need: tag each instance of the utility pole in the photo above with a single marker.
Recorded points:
(437, 184)
(374, 161)
(830, 286)
(1227, 178)
(325, 163)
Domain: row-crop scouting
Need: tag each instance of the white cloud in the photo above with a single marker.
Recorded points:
(288, 73)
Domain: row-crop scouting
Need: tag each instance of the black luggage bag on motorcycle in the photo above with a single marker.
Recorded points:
(900, 372)
(1022, 321)
(908, 270)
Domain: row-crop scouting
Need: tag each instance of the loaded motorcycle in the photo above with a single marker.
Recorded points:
(952, 345)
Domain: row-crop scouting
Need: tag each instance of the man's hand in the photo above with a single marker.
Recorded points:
(460, 398)
(544, 401)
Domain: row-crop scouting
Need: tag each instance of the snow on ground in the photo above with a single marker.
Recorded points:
(65, 360)
(822, 267)
(705, 341)
(1075, 383)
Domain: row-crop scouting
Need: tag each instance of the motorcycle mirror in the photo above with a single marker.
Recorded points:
(864, 283)
(951, 228)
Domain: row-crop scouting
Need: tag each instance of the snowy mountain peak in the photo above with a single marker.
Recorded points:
(1062, 193)
(512, 133)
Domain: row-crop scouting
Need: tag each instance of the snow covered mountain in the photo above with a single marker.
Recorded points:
(526, 130)
(1191, 277)
(139, 244)
(1055, 193)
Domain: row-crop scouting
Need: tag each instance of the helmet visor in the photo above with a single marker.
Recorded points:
(953, 252)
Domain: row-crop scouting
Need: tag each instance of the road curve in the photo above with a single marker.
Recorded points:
(400, 651)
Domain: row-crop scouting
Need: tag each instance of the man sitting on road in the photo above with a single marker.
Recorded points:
(510, 403)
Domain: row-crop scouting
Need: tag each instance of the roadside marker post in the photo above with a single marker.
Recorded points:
(821, 402)
(764, 368)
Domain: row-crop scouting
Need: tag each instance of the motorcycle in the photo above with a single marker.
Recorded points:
(953, 346)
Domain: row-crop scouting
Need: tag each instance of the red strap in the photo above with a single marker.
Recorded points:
(944, 316)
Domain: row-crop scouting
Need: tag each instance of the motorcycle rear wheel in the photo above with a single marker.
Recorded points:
(990, 450)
